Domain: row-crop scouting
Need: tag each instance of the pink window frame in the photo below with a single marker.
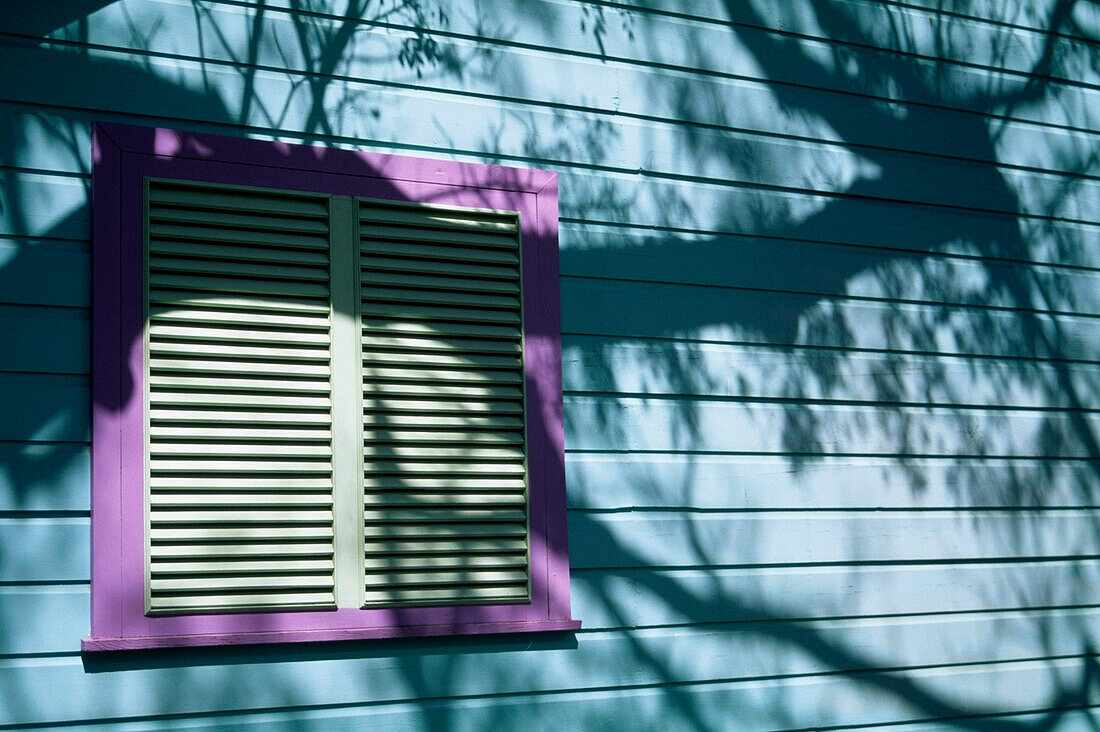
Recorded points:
(123, 157)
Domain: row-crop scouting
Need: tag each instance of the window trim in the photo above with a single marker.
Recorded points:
(123, 156)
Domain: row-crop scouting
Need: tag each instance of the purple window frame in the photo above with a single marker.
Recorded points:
(123, 156)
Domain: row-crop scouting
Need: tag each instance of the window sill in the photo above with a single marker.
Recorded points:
(92, 645)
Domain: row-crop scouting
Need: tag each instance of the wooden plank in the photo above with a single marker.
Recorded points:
(44, 477)
(575, 77)
(284, 403)
(404, 294)
(625, 309)
(607, 423)
(728, 539)
(241, 516)
(782, 261)
(308, 328)
(253, 222)
(244, 467)
(262, 349)
(902, 594)
(193, 196)
(49, 272)
(44, 407)
(44, 339)
(276, 239)
(675, 367)
(380, 238)
(599, 661)
(613, 480)
(164, 263)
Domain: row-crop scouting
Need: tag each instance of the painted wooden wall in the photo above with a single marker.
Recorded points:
(831, 311)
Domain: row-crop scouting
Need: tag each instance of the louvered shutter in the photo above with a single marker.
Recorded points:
(240, 487)
(445, 499)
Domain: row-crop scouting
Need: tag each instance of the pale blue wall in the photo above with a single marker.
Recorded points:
(831, 302)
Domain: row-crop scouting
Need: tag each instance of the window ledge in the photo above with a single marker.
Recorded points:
(92, 645)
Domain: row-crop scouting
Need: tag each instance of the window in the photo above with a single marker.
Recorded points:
(327, 399)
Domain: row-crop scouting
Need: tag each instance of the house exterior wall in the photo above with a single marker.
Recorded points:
(830, 287)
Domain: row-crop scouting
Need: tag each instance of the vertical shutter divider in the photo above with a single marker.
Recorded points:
(347, 402)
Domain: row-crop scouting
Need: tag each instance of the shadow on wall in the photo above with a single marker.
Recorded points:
(788, 307)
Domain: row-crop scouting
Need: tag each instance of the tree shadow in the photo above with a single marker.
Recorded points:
(932, 335)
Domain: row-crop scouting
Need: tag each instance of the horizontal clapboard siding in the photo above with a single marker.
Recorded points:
(830, 355)
(444, 452)
(239, 380)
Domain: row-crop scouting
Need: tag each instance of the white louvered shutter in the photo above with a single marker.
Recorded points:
(445, 489)
(240, 488)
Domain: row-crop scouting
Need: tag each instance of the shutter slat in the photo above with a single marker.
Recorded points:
(183, 603)
(264, 255)
(255, 483)
(162, 301)
(248, 269)
(445, 512)
(392, 328)
(210, 584)
(197, 317)
(218, 198)
(463, 437)
(224, 498)
(376, 358)
(271, 239)
(282, 565)
(463, 498)
(446, 595)
(236, 416)
(239, 450)
(236, 550)
(446, 562)
(463, 350)
(434, 452)
(199, 383)
(384, 390)
(377, 581)
(221, 399)
(444, 469)
(449, 252)
(421, 374)
(254, 467)
(237, 533)
(239, 285)
(388, 420)
(252, 222)
(432, 297)
(382, 482)
(443, 268)
(259, 352)
(428, 282)
(430, 216)
(196, 366)
(407, 311)
(241, 517)
(243, 449)
(395, 530)
(433, 547)
(240, 434)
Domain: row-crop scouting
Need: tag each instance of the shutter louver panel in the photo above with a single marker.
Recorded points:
(240, 491)
(445, 488)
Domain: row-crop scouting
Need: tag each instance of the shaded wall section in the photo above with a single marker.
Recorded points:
(831, 312)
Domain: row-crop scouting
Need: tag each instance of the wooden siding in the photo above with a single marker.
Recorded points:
(831, 314)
